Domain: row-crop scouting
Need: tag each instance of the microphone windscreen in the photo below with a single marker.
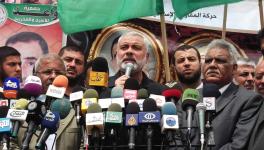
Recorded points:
(149, 104)
(60, 81)
(117, 92)
(33, 85)
(77, 89)
(132, 108)
(4, 111)
(142, 93)
(11, 84)
(201, 106)
(94, 108)
(99, 64)
(190, 97)
(90, 93)
(36, 111)
(23, 94)
(131, 84)
(115, 107)
(168, 108)
(175, 93)
(62, 106)
(21, 104)
(211, 90)
(51, 121)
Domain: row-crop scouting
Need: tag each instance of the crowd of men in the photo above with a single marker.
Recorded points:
(236, 122)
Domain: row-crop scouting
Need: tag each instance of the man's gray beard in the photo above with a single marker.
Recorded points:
(123, 66)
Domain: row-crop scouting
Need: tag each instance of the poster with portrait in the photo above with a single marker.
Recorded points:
(104, 46)
(33, 30)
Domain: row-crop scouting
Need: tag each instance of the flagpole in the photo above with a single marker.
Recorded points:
(165, 47)
(261, 14)
(224, 22)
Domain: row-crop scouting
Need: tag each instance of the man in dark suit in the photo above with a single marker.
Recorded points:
(236, 108)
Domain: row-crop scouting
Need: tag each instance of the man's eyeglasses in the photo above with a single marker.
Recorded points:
(51, 71)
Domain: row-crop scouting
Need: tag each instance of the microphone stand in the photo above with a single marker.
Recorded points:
(95, 137)
(210, 133)
(149, 136)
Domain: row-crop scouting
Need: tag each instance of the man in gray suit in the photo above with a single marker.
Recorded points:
(236, 108)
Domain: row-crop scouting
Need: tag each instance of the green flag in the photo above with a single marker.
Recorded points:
(184, 7)
(83, 15)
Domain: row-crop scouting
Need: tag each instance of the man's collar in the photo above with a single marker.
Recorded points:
(223, 89)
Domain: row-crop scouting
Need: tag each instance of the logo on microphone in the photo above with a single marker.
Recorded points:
(170, 121)
(4, 122)
(4, 103)
(149, 116)
(50, 116)
(17, 114)
(11, 84)
(132, 121)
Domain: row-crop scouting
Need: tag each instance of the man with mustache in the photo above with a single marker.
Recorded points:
(10, 64)
(236, 108)
(187, 64)
(245, 72)
(73, 58)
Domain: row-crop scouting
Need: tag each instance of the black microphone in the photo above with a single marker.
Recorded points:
(149, 117)
(131, 87)
(98, 76)
(132, 111)
(210, 94)
(36, 112)
(5, 128)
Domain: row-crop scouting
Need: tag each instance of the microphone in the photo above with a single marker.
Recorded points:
(172, 95)
(113, 122)
(131, 87)
(117, 96)
(18, 114)
(189, 101)
(129, 67)
(142, 94)
(98, 76)
(210, 94)
(62, 106)
(149, 116)
(11, 86)
(57, 89)
(200, 107)
(50, 124)
(33, 86)
(90, 96)
(5, 127)
(132, 111)
(76, 99)
(169, 121)
(36, 112)
(94, 123)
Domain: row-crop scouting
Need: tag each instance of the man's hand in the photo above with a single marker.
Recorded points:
(121, 81)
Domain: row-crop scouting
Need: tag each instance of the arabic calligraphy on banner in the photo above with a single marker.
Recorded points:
(32, 14)
(241, 17)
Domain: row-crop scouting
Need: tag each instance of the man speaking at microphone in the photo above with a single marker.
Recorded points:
(131, 55)
(236, 108)
(47, 68)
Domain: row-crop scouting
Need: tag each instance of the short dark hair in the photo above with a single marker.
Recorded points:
(6, 51)
(184, 48)
(113, 43)
(27, 37)
(70, 48)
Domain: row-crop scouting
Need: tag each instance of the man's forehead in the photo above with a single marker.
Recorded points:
(131, 39)
(189, 52)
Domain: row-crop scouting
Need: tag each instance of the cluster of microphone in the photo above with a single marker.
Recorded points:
(28, 106)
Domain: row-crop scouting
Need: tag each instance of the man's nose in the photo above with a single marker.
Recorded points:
(72, 63)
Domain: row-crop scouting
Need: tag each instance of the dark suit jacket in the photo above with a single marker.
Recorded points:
(234, 119)
(257, 137)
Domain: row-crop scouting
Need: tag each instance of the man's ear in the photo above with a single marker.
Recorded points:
(235, 67)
